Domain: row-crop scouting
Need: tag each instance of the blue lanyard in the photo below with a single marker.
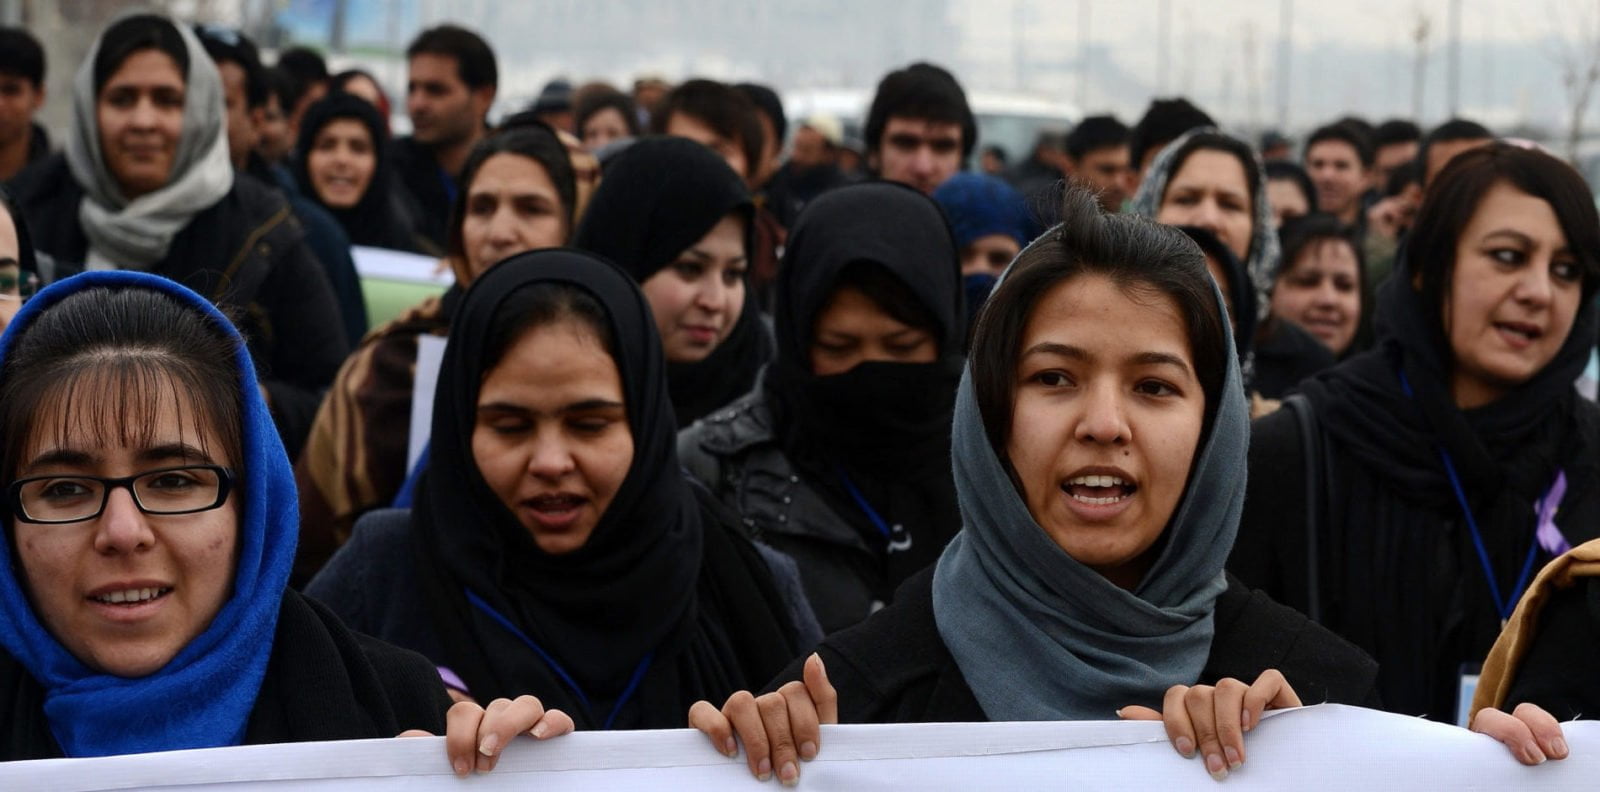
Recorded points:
(1503, 606)
(627, 692)
(861, 500)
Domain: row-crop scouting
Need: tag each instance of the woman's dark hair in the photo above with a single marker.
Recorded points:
(532, 139)
(1284, 170)
(539, 305)
(135, 33)
(110, 358)
(342, 80)
(1301, 234)
(1453, 198)
(592, 102)
(1136, 254)
(889, 293)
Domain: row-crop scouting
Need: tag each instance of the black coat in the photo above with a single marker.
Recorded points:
(894, 667)
(429, 189)
(1397, 572)
(323, 682)
(247, 254)
(1558, 671)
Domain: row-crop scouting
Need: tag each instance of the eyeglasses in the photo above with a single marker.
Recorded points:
(68, 499)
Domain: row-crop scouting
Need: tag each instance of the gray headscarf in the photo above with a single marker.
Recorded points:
(1262, 261)
(1040, 636)
(137, 233)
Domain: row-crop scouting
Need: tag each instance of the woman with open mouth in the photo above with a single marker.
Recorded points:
(1408, 501)
(343, 163)
(1099, 446)
(150, 519)
(556, 546)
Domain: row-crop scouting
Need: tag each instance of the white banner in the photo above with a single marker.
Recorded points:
(1326, 747)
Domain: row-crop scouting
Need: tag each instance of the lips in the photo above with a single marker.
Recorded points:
(700, 334)
(1518, 335)
(555, 511)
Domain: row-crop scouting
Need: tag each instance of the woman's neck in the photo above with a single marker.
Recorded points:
(1473, 392)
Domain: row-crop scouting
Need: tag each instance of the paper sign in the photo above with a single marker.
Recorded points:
(1316, 748)
(430, 354)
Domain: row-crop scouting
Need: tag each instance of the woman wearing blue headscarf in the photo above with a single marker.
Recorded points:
(151, 524)
(1099, 446)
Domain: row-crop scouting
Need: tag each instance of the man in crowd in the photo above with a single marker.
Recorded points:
(920, 128)
(774, 127)
(1339, 161)
(309, 72)
(812, 169)
(1097, 156)
(1446, 141)
(273, 139)
(1164, 121)
(1044, 167)
(1275, 147)
(450, 88)
(1394, 143)
(716, 115)
(21, 95)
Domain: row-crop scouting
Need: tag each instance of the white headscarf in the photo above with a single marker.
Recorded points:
(137, 233)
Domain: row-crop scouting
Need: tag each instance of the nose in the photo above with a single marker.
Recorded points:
(144, 113)
(1104, 420)
(550, 459)
(121, 527)
(503, 228)
(1325, 294)
(712, 296)
(1534, 287)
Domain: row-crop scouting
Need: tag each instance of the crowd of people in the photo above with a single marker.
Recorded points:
(746, 426)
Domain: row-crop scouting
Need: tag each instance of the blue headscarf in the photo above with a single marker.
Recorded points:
(1041, 636)
(978, 205)
(203, 697)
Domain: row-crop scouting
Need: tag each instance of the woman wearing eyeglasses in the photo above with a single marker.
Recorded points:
(151, 523)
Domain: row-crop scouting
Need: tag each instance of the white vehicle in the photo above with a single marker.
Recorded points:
(1011, 121)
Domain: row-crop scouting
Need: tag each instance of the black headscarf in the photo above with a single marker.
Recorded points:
(380, 218)
(657, 198)
(657, 578)
(1400, 575)
(883, 427)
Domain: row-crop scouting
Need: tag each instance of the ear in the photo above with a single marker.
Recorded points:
(483, 99)
(38, 98)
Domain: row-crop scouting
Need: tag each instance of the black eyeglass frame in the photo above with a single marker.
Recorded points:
(225, 479)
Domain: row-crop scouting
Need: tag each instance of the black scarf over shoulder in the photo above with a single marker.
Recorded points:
(660, 577)
(1400, 572)
(657, 198)
(883, 426)
(380, 218)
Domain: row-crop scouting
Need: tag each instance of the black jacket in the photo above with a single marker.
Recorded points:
(246, 253)
(429, 189)
(1558, 671)
(736, 455)
(894, 667)
(323, 682)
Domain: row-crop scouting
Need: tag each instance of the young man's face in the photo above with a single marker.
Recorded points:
(1104, 170)
(444, 110)
(918, 152)
(1336, 170)
(19, 100)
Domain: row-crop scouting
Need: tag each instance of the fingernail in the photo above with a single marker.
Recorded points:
(489, 745)
(1558, 748)
(1233, 757)
(764, 769)
(1185, 746)
(1215, 767)
(789, 774)
(731, 748)
(540, 729)
(462, 768)
(1531, 750)
(1244, 720)
(1119, 714)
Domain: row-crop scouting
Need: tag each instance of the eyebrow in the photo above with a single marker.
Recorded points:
(707, 257)
(71, 457)
(585, 405)
(1077, 353)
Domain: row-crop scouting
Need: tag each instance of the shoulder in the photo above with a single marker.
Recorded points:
(373, 564)
(1255, 633)
(731, 429)
(263, 211)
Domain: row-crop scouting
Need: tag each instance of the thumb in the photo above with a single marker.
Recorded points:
(1137, 713)
(822, 693)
